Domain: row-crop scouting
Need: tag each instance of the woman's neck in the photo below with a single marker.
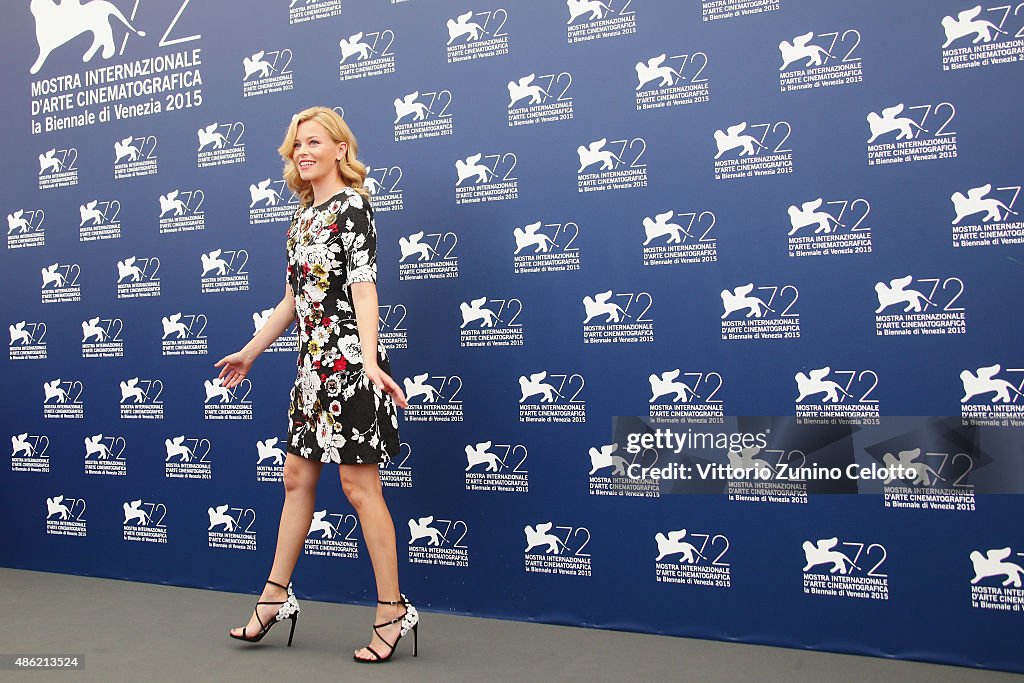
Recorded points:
(326, 188)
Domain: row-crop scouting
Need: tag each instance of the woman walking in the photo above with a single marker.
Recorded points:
(343, 405)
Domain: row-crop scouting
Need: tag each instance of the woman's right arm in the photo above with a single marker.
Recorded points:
(236, 366)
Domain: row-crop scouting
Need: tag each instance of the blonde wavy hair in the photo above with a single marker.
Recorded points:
(351, 170)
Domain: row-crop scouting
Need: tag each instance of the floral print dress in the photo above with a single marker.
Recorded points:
(335, 414)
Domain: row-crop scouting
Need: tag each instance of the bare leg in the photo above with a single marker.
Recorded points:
(300, 479)
(361, 484)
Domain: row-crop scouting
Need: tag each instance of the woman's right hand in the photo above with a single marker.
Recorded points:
(234, 368)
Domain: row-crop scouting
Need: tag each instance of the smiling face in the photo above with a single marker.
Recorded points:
(316, 154)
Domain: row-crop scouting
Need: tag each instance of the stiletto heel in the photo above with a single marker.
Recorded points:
(289, 609)
(295, 620)
(410, 621)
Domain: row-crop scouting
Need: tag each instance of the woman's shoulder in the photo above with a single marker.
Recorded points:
(354, 200)
(345, 201)
(297, 216)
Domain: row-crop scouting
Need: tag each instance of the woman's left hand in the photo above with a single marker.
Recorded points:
(384, 382)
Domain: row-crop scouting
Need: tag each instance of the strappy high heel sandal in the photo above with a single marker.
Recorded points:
(410, 621)
(289, 609)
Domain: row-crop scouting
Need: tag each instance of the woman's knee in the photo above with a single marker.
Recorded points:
(300, 473)
(360, 484)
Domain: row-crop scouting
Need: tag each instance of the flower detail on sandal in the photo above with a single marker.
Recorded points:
(411, 617)
(290, 606)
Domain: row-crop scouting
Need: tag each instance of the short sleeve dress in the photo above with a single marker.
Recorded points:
(335, 413)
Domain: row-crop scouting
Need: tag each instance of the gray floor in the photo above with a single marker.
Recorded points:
(143, 632)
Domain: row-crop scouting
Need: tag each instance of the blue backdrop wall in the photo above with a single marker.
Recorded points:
(684, 211)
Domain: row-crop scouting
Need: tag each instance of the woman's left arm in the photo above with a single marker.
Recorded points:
(364, 301)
